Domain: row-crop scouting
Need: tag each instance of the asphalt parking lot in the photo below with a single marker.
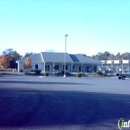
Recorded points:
(71, 103)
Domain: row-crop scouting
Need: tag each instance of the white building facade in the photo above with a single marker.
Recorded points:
(52, 62)
(116, 65)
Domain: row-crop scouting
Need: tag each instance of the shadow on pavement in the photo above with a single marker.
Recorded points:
(37, 82)
(33, 108)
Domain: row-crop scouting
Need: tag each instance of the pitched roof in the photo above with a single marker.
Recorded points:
(83, 59)
(35, 57)
(59, 58)
(55, 57)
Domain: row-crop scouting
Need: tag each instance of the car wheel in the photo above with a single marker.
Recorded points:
(123, 78)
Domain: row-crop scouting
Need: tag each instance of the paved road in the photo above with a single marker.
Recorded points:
(53, 103)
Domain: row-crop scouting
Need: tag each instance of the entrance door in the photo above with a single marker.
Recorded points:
(47, 68)
(88, 69)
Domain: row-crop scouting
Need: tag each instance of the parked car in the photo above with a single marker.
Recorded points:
(108, 73)
(123, 76)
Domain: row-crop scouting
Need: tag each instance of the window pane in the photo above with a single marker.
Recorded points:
(36, 66)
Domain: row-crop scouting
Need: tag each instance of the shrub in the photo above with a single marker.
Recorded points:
(37, 71)
(99, 72)
(46, 74)
(4, 73)
(21, 70)
(79, 75)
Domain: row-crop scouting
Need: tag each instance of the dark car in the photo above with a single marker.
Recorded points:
(123, 76)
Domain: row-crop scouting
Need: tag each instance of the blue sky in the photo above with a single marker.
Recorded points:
(92, 25)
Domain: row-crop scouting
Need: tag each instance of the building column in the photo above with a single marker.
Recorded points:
(111, 65)
(71, 67)
(122, 67)
(18, 67)
(128, 68)
(62, 66)
(44, 67)
(53, 67)
(116, 69)
(82, 67)
(50, 67)
(92, 68)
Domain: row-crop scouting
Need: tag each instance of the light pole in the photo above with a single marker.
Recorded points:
(65, 56)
